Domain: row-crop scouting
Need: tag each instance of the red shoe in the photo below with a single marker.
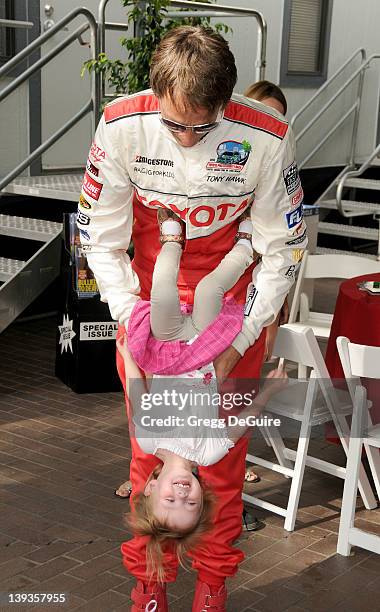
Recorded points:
(205, 602)
(149, 598)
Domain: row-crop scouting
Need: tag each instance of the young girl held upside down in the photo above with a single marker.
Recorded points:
(178, 347)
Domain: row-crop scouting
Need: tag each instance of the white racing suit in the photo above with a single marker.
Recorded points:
(248, 158)
(136, 166)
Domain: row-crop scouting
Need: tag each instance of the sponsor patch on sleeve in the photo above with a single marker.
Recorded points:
(83, 203)
(299, 229)
(291, 178)
(91, 187)
(85, 234)
(297, 240)
(290, 272)
(298, 197)
(91, 168)
(96, 153)
(294, 217)
(251, 297)
(297, 255)
(82, 219)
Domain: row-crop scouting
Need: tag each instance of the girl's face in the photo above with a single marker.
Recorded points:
(176, 497)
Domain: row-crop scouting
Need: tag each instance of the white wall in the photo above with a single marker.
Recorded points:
(65, 92)
(243, 40)
(354, 24)
(13, 128)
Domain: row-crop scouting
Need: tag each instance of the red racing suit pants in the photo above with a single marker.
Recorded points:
(215, 558)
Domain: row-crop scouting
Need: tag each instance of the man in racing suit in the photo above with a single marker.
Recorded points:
(207, 161)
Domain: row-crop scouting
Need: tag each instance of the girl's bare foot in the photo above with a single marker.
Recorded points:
(124, 490)
(251, 476)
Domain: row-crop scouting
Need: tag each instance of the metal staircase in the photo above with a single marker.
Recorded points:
(345, 193)
(351, 204)
(352, 184)
(23, 281)
(53, 186)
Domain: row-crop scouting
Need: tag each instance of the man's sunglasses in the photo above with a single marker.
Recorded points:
(173, 126)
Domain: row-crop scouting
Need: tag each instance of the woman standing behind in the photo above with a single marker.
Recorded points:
(270, 94)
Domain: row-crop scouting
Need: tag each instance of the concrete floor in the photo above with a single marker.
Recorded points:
(61, 456)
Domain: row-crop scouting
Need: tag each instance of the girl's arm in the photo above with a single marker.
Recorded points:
(135, 384)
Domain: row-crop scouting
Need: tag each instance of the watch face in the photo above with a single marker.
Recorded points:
(372, 287)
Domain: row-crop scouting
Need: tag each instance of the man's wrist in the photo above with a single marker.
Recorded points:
(241, 343)
(126, 314)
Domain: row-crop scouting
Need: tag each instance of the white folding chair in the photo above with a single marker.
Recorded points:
(311, 403)
(359, 360)
(324, 266)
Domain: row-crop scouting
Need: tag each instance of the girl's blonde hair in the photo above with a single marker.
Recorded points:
(266, 89)
(161, 536)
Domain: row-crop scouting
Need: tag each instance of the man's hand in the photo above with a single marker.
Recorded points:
(282, 318)
(270, 337)
(284, 312)
(225, 363)
(275, 381)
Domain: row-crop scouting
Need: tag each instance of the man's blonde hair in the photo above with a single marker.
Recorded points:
(194, 65)
(161, 536)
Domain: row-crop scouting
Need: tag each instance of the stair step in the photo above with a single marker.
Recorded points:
(53, 186)
(370, 207)
(31, 229)
(327, 251)
(353, 231)
(363, 183)
(9, 267)
(375, 163)
(31, 278)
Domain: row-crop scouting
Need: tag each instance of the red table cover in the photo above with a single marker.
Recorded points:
(356, 316)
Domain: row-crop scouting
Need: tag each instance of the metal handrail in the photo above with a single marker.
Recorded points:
(260, 62)
(352, 174)
(208, 10)
(327, 84)
(24, 76)
(328, 135)
(365, 165)
(358, 72)
(179, 14)
(47, 144)
(348, 172)
(93, 103)
(12, 23)
(324, 108)
(38, 42)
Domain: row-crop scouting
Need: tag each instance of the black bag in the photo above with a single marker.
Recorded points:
(85, 346)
